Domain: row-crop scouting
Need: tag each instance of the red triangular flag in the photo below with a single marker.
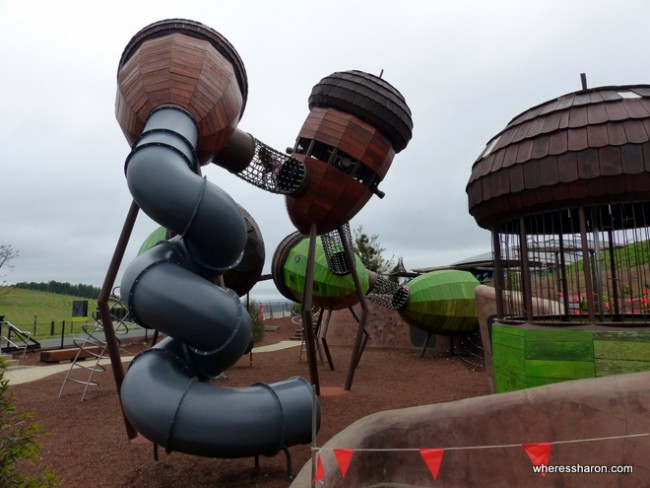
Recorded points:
(343, 457)
(538, 453)
(320, 472)
(433, 458)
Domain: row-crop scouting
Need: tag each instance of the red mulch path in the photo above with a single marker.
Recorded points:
(87, 444)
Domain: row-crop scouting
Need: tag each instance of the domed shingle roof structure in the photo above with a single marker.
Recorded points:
(585, 148)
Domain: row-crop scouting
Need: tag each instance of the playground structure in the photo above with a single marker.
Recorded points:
(356, 124)
(181, 92)
(565, 182)
(594, 221)
(89, 350)
(439, 302)
(565, 179)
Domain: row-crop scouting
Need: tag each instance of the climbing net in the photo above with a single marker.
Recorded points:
(334, 250)
(388, 294)
(273, 171)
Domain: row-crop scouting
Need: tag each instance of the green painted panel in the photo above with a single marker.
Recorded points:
(510, 340)
(568, 351)
(508, 359)
(506, 329)
(556, 354)
(627, 350)
(504, 382)
(560, 369)
(533, 381)
(623, 335)
(609, 367)
(558, 334)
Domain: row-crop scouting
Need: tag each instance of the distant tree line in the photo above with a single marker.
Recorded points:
(79, 290)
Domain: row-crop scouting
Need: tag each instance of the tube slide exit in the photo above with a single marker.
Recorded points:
(171, 288)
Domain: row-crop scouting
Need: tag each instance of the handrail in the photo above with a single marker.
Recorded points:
(24, 336)
(15, 346)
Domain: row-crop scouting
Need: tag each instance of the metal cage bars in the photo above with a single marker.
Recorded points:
(580, 265)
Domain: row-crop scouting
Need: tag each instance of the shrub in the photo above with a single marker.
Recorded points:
(18, 443)
(255, 312)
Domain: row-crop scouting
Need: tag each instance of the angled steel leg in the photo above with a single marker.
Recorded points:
(359, 343)
(366, 336)
(306, 311)
(104, 311)
(326, 347)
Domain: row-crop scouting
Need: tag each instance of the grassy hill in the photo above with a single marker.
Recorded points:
(34, 311)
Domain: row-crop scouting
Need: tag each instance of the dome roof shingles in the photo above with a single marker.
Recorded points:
(583, 148)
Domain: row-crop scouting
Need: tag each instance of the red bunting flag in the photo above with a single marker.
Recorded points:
(538, 453)
(433, 458)
(320, 472)
(343, 457)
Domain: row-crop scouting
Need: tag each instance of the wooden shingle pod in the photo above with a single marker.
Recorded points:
(187, 64)
(356, 124)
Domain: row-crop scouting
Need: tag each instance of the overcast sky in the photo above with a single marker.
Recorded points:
(466, 68)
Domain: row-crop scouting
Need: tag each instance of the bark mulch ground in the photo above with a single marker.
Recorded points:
(87, 444)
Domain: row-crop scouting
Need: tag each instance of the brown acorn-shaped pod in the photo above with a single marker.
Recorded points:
(356, 124)
(243, 277)
(186, 64)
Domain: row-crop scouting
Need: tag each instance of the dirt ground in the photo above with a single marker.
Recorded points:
(87, 444)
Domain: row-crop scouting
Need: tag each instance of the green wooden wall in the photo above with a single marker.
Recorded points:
(528, 356)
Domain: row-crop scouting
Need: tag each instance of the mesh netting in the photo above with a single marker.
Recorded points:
(388, 294)
(334, 250)
(273, 171)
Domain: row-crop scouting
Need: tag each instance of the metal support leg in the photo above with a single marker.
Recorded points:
(105, 313)
(425, 345)
(289, 464)
(326, 347)
(361, 329)
(306, 311)
(317, 332)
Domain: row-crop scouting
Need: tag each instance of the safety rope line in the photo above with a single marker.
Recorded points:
(493, 446)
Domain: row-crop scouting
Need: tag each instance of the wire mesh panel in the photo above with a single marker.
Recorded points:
(273, 171)
(388, 294)
(334, 250)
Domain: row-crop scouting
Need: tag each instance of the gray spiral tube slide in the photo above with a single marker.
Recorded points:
(170, 288)
(207, 420)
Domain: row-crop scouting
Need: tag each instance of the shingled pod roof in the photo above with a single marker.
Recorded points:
(584, 149)
(369, 98)
(195, 29)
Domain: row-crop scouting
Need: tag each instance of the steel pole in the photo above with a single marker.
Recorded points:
(308, 328)
(105, 313)
(361, 328)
